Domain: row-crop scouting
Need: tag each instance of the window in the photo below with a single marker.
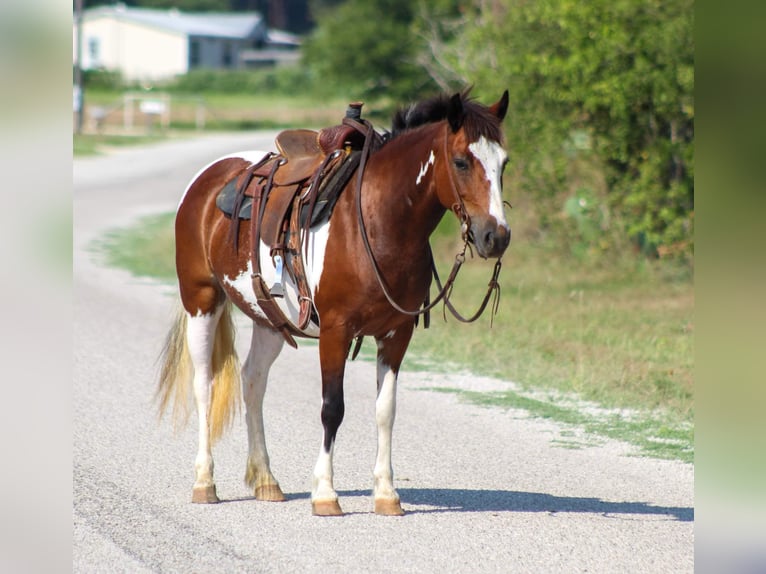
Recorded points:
(94, 49)
(194, 54)
(227, 59)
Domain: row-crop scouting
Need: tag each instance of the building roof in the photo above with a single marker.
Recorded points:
(233, 25)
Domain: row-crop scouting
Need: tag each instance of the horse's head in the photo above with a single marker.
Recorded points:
(474, 165)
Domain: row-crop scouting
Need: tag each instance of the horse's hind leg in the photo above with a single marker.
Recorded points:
(265, 346)
(201, 331)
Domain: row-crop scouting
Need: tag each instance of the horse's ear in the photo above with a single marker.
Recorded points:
(455, 112)
(500, 108)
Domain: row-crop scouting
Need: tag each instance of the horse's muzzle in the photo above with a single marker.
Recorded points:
(490, 239)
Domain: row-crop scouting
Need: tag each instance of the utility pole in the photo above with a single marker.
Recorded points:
(78, 92)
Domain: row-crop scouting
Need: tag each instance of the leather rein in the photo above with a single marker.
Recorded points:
(445, 291)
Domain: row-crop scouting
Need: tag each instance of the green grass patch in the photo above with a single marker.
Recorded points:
(146, 249)
(615, 333)
(96, 144)
(224, 111)
(656, 435)
(619, 334)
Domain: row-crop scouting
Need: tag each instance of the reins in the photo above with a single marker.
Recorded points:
(445, 291)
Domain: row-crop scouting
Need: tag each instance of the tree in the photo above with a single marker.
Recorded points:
(612, 76)
(366, 47)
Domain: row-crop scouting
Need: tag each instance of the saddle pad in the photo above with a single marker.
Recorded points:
(329, 191)
(227, 197)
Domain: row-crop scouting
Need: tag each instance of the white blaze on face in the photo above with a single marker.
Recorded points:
(492, 157)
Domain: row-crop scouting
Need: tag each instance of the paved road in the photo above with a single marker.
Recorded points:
(486, 490)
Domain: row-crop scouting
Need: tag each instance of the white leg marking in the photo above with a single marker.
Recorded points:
(322, 487)
(200, 337)
(492, 157)
(424, 167)
(385, 413)
(265, 346)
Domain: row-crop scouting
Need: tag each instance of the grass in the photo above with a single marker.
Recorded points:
(222, 112)
(656, 434)
(616, 333)
(146, 249)
(621, 336)
(228, 111)
(96, 144)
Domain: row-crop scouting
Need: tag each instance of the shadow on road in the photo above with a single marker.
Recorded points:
(464, 500)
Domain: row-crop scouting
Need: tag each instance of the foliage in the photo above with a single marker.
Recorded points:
(282, 80)
(605, 82)
(366, 48)
(600, 130)
(103, 79)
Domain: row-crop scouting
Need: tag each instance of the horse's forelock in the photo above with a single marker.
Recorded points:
(478, 120)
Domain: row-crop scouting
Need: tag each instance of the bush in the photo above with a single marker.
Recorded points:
(280, 80)
(619, 72)
(106, 80)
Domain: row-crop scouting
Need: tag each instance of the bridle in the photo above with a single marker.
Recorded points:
(458, 207)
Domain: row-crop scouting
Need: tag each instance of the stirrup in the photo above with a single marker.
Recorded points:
(277, 290)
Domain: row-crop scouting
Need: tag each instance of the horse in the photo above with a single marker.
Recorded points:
(369, 270)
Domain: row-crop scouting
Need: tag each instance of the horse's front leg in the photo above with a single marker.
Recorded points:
(333, 350)
(391, 349)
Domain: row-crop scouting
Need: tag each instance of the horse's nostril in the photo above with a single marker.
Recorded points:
(489, 239)
(505, 236)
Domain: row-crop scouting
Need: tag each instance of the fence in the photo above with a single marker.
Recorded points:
(136, 113)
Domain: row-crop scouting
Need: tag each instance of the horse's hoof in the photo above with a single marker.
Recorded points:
(204, 495)
(270, 493)
(388, 507)
(326, 508)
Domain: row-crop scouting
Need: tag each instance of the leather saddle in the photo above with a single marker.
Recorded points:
(289, 179)
(304, 150)
(287, 193)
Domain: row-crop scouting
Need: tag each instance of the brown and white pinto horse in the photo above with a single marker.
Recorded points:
(444, 153)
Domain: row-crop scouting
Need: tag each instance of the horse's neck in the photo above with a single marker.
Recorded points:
(403, 172)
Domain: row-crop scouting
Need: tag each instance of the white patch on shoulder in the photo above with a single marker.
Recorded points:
(316, 255)
(251, 156)
(290, 303)
(492, 156)
(424, 167)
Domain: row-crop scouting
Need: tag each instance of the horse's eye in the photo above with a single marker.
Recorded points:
(461, 163)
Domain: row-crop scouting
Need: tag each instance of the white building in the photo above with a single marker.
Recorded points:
(148, 44)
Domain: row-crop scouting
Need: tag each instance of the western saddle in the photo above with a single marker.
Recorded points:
(284, 195)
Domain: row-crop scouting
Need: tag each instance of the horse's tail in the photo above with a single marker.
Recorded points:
(177, 374)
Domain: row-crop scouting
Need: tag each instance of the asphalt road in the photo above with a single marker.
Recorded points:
(485, 490)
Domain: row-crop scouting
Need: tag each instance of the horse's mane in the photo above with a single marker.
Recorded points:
(478, 121)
